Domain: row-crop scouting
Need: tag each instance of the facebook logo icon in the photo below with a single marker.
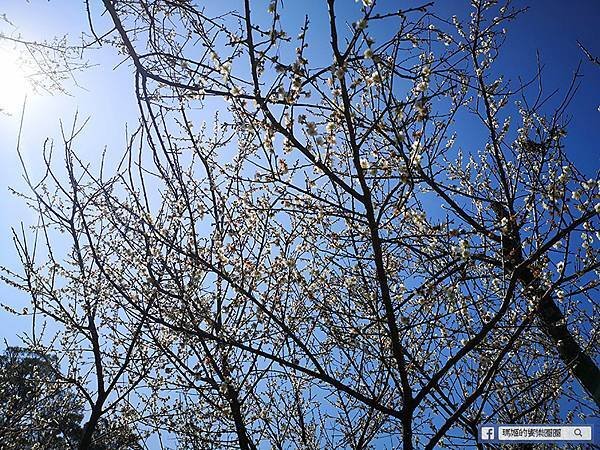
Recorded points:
(487, 433)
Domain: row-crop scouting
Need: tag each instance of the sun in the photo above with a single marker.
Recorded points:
(14, 86)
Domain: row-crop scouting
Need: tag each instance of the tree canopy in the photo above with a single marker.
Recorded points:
(369, 240)
(39, 409)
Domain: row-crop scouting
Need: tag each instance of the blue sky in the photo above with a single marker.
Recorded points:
(551, 27)
(104, 94)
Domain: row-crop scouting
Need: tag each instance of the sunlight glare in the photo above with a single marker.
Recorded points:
(13, 83)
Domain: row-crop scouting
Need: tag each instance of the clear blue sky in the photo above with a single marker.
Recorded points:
(550, 26)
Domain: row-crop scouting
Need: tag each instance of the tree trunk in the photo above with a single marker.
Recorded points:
(90, 428)
(553, 322)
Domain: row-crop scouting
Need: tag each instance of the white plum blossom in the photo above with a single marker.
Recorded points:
(283, 167)
(464, 249)
(421, 86)
(374, 79)
(311, 128)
